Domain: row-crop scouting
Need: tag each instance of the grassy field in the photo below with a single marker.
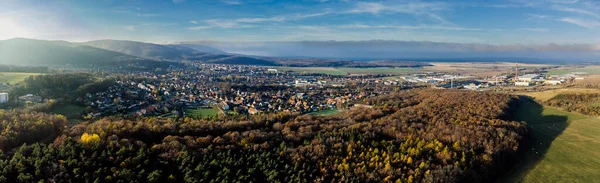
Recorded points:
(378, 70)
(315, 70)
(201, 113)
(547, 95)
(351, 70)
(325, 112)
(71, 111)
(15, 77)
(587, 70)
(564, 146)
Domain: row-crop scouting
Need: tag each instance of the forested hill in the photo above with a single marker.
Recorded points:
(146, 50)
(60, 53)
(410, 136)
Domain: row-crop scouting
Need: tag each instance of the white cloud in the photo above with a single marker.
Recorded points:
(234, 2)
(129, 28)
(246, 22)
(193, 22)
(364, 26)
(200, 27)
(581, 22)
(430, 10)
(576, 10)
(534, 29)
(537, 16)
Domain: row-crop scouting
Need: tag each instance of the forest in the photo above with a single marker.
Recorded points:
(584, 103)
(409, 136)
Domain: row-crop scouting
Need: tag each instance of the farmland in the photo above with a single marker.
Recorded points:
(201, 113)
(315, 70)
(563, 146)
(15, 77)
(586, 70)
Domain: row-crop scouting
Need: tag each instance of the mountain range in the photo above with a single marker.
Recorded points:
(109, 53)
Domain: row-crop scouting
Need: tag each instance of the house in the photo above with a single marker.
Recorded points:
(521, 83)
(272, 70)
(528, 77)
(30, 98)
(253, 111)
(3, 97)
(552, 82)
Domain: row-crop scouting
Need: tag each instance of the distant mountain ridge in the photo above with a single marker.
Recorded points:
(21, 51)
(118, 52)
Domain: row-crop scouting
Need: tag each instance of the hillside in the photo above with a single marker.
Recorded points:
(144, 50)
(60, 53)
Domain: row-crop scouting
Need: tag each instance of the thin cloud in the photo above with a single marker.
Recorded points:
(534, 29)
(193, 22)
(199, 27)
(581, 22)
(576, 10)
(233, 2)
(430, 10)
(243, 22)
(130, 28)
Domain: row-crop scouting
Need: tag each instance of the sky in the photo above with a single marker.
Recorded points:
(508, 22)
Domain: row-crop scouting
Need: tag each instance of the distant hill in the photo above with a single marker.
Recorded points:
(144, 50)
(202, 48)
(20, 51)
(237, 60)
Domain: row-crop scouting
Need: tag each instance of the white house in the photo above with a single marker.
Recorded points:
(3, 97)
(520, 83)
(552, 82)
(529, 77)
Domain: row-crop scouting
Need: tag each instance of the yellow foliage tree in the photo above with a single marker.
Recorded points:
(91, 140)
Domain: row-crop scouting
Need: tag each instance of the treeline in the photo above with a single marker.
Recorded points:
(418, 136)
(584, 103)
(18, 127)
(17, 68)
(62, 86)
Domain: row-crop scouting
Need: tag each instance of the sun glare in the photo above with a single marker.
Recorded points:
(9, 29)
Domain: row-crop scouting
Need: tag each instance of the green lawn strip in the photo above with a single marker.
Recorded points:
(201, 113)
(378, 70)
(565, 147)
(14, 77)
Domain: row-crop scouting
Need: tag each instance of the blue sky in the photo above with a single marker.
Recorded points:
(470, 21)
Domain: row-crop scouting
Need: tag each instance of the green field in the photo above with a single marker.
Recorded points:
(72, 112)
(587, 70)
(15, 77)
(350, 70)
(201, 113)
(564, 147)
(325, 112)
(378, 70)
(315, 70)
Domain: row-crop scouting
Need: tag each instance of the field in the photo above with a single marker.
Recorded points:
(547, 95)
(564, 146)
(72, 112)
(378, 70)
(325, 112)
(481, 69)
(15, 77)
(315, 70)
(586, 70)
(201, 113)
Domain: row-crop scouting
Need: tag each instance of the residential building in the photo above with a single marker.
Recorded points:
(30, 98)
(521, 83)
(3, 97)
